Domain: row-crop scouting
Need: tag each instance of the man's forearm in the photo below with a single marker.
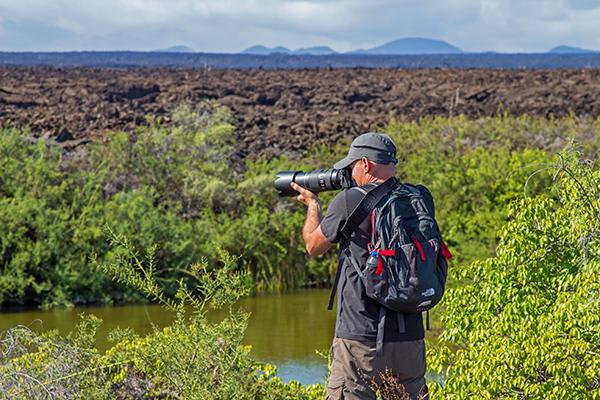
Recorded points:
(316, 243)
(313, 219)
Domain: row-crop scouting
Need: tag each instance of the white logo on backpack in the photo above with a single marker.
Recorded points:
(428, 293)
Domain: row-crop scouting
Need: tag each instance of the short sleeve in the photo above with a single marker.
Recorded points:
(335, 218)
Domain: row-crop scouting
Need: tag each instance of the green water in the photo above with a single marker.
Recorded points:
(285, 329)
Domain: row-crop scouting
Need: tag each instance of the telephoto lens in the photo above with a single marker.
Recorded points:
(320, 180)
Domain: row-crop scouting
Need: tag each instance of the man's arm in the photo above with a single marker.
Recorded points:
(316, 243)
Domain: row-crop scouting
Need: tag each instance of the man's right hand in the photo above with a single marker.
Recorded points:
(316, 243)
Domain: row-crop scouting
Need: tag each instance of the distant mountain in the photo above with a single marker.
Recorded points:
(403, 46)
(260, 49)
(317, 50)
(176, 49)
(407, 46)
(569, 50)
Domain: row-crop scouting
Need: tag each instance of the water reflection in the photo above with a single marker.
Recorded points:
(289, 326)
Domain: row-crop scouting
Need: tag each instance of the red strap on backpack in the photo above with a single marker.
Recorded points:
(446, 252)
(419, 247)
(383, 252)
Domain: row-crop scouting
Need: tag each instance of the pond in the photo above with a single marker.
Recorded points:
(284, 329)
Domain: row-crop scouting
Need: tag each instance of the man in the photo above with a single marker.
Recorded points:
(356, 368)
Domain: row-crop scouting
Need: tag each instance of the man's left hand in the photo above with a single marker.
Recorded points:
(305, 196)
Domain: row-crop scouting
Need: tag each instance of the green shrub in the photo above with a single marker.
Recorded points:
(35, 200)
(526, 326)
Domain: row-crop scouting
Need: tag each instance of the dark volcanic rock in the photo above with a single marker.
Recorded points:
(134, 92)
(281, 111)
(64, 135)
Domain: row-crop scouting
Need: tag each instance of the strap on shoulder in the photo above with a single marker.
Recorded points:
(335, 282)
(366, 205)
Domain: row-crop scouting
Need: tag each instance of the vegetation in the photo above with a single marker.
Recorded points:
(178, 188)
(526, 327)
(522, 323)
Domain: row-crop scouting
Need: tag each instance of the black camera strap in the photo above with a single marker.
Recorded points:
(362, 210)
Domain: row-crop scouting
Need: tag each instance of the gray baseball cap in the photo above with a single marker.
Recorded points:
(377, 147)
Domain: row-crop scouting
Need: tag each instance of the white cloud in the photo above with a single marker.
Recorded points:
(231, 25)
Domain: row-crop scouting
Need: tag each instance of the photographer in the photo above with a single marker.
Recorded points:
(357, 364)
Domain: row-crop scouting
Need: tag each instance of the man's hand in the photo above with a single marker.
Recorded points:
(305, 196)
(316, 243)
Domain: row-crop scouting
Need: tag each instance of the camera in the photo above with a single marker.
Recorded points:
(320, 180)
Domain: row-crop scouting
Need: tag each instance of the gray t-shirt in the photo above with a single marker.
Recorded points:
(357, 315)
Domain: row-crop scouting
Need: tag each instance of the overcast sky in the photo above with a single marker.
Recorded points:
(233, 25)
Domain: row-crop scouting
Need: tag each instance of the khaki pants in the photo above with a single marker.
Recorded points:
(357, 373)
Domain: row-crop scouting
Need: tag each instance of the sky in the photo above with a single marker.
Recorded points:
(230, 26)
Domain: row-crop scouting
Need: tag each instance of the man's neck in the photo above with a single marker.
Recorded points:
(376, 179)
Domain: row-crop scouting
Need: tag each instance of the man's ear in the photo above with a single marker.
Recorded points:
(366, 164)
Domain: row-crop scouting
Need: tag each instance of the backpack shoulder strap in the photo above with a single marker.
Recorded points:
(363, 208)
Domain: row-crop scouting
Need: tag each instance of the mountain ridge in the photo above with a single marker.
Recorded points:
(263, 50)
(413, 46)
(562, 49)
(402, 46)
(175, 49)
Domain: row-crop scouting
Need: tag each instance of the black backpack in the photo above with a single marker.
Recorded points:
(407, 267)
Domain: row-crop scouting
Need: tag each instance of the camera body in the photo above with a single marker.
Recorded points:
(320, 180)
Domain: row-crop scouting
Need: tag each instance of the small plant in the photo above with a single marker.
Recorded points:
(388, 387)
(47, 366)
(191, 358)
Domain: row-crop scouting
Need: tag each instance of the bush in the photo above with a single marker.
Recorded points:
(527, 324)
